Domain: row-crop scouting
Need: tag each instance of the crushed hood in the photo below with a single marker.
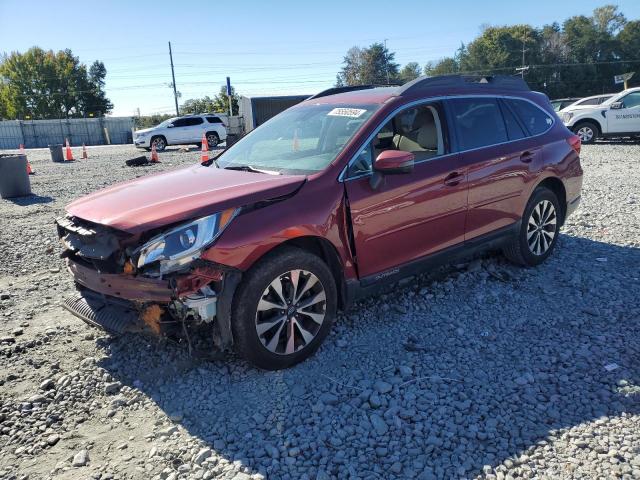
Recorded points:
(165, 198)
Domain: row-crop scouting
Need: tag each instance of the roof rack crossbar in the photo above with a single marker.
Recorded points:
(504, 82)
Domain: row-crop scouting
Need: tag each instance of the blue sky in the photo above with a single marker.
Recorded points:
(266, 47)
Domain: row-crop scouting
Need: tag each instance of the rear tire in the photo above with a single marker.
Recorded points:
(213, 139)
(539, 230)
(283, 309)
(587, 131)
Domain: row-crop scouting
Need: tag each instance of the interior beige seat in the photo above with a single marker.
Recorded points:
(421, 139)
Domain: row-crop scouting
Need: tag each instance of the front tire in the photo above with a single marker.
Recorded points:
(160, 142)
(283, 309)
(539, 230)
(587, 131)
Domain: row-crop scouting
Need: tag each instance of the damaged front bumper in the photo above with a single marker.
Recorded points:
(113, 296)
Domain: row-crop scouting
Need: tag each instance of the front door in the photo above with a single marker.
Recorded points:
(627, 118)
(411, 215)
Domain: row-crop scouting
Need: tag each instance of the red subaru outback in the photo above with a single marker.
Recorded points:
(336, 197)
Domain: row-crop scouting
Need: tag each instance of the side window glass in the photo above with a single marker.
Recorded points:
(214, 120)
(417, 130)
(181, 122)
(514, 130)
(194, 121)
(362, 164)
(479, 122)
(591, 101)
(631, 100)
(532, 117)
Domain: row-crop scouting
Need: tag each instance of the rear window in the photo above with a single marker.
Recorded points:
(535, 120)
(478, 122)
(213, 120)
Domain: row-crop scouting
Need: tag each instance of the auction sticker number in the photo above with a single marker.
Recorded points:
(346, 112)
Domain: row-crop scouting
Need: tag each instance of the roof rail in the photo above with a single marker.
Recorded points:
(503, 82)
(349, 88)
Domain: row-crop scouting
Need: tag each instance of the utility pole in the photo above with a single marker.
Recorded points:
(173, 76)
(386, 60)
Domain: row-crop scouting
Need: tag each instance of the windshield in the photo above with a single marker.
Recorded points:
(301, 140)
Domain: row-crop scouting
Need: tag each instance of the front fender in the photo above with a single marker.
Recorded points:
(257, 231)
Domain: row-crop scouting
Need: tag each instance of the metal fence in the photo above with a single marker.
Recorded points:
(41, 133)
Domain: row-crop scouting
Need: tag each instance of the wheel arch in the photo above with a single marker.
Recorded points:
(556, 186)
(322, 248)
(156, 136)
(588, 120)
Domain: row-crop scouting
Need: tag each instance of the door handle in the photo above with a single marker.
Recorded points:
(453, 179)
(526, 157)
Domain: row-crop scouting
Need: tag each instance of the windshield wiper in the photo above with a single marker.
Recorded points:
(249, 168)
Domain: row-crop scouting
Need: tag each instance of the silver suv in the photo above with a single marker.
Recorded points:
(183, 131)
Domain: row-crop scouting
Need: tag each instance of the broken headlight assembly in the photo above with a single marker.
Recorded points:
(172, 250)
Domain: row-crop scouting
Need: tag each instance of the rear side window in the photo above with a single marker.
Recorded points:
(514, 130)
(214, 120)
(190, 122)
(478, 122)
(535, 120)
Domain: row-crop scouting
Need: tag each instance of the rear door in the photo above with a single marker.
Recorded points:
(408, 216)
(499, 157)
(627, 118)
(193, 130)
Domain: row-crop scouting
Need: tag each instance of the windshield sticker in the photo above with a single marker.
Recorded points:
(346, 112)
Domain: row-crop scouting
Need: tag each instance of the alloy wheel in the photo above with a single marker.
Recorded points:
(159, 143)
(290, 312)
(212, 140)
(585, 133)
(542, 227)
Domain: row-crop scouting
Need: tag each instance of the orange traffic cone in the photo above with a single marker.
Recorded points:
(69, 154)
(30, 171)
(154, 154)
(84, 152)
(296, 143)
(204, 155)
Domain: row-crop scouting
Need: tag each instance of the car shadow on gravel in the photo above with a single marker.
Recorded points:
(30, 200)
(437, 379)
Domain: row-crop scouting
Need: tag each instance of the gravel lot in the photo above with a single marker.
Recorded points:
(481, 370)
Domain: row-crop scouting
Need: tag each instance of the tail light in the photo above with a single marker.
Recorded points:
(575, 143)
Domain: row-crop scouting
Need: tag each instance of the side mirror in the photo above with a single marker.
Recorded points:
(617, 105)
(391, 162)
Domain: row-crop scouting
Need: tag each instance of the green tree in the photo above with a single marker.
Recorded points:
(368, 66)
(197, 105)
(409, 72)
(219, 103)
(44, 84)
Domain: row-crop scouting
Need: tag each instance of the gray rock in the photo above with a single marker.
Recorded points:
(202, 455)
(382, 386)
(112, 388)
(80, 459)
(378, 424)
(48, 384)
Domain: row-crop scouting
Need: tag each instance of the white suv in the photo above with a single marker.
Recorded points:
(182, 131)
(617, 117)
